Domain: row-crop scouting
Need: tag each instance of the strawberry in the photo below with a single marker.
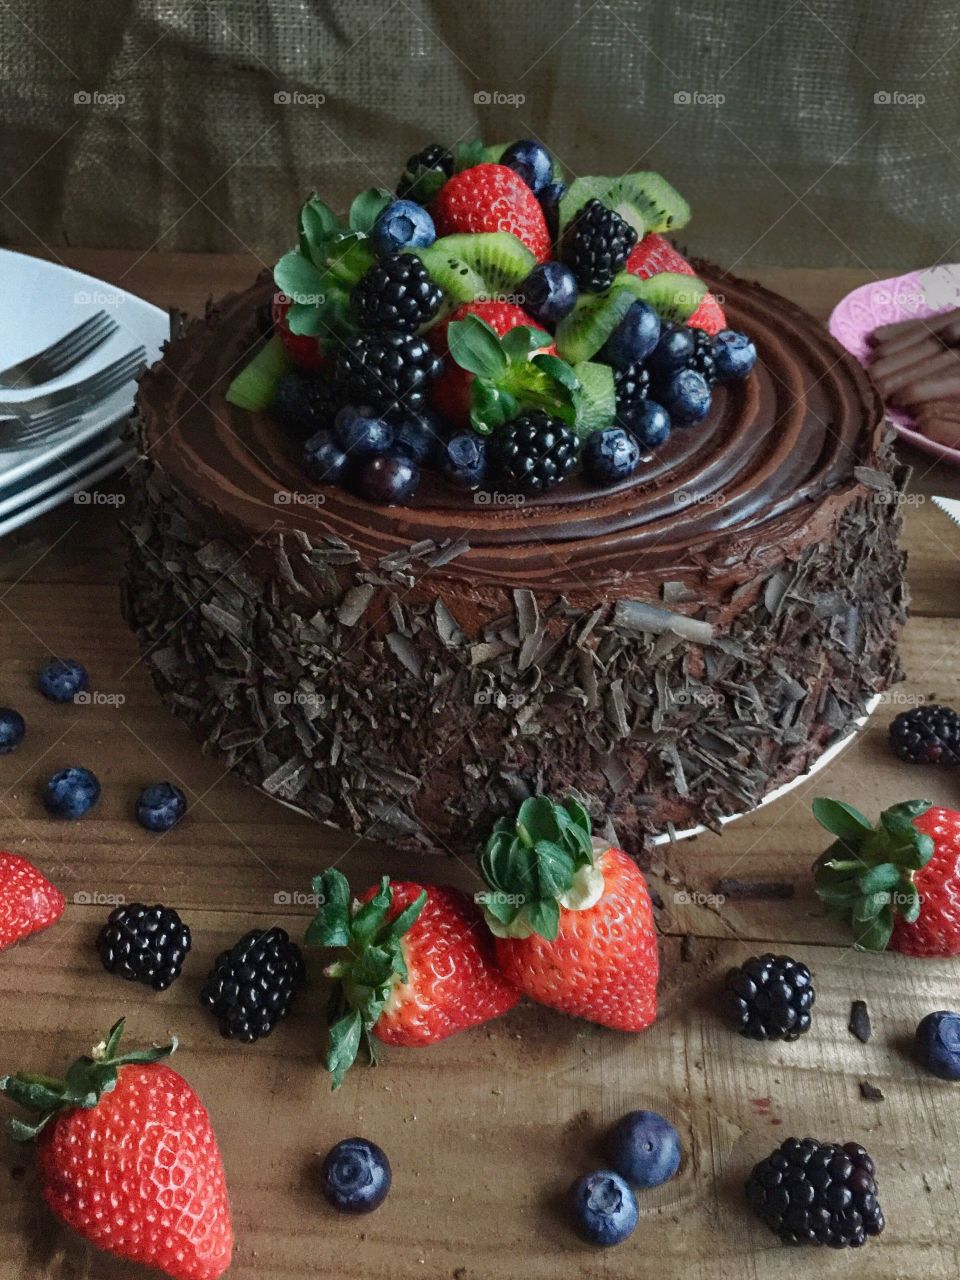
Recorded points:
(28, 901)
(652, 256)
(126, 1156)
(451, 392)
(491, 197)
(305, 351)
(572, 916)
(417, 966)
(898, 884)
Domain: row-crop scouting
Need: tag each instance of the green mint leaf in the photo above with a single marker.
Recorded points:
(475, 347)
(468, 154)
(308, 321)
(367, 208)
(406, 919)
(344, 1044)
(317, 223)
(491, 406)
(841, 819)
(350, 257)
(298, 278)
(520, 343)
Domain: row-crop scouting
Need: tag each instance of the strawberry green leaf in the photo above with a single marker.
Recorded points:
(544, 918)
(475, 346)
(372, 914)
(468, 154)
(308, 321)
(520, 343)
(350, 256)
(554, 869)
(908, 902)
(595, 400)
(406, 919)
(331, 926)
(558, 370)
(344, 1045)
(491, 406)
(317, 223)
(879, 879)
(841, 819)
(298, 278)
(367, 208)
(875, 935)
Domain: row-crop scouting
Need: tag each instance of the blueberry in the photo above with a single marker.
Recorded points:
(650, 423)
(323, 459)
(356, 1176)
(12, 728)
(610, 455)
(938, 1039)
(402, 225)
(674, 349)
(686, 397)
(734, 355)
(416, 435)
(463, 460)
(550, 292)
(532, 161)
(361, 431)
(644, 1148)
(603, 1208)
(61, 679)
(634, 338)
(550, 198)
(71, 793)
(388, 479)
(303, 403)
(160, 806)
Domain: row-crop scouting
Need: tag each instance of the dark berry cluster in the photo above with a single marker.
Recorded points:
(145, 944)
(596, 246)
(769, 998)
(252, 986)
(811, 1192)
(928, 734)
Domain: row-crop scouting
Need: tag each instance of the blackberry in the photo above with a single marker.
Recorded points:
(144, 944)
(814, 1192)
(770, 998)
(533, 453)
(631, 387)
(702, 359)
(425, 173)
(305, 403)
(596, 245)
(396, 293)
(389, 371)
(251, 986)
(927, 735)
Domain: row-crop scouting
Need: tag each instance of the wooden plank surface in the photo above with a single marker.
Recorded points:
(486, 1130)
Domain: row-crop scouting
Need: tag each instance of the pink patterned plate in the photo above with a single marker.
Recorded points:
(919, 293)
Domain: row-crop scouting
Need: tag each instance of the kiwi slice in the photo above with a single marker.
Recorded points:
(254, 385)
(596, 315)
(596, 400)
(484, 265)
(645, 200)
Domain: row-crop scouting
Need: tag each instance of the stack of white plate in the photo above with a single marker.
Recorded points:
(39, 302)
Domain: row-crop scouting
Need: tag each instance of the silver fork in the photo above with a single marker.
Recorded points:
(37, 408)
(28, 432)
(60, 356)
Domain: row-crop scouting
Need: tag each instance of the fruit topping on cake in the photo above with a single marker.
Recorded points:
(555, 320)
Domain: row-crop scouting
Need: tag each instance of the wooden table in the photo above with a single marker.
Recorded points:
(486, 1130)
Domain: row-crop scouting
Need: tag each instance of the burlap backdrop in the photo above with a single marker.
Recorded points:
(820, 131)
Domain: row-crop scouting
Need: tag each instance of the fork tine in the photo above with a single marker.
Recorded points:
(105, 384)
(75, 335)
(86, 389)
(34, 370)
(73, 352)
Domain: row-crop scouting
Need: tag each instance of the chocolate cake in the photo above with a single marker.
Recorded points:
(672, 647)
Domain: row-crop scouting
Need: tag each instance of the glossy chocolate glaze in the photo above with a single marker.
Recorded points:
(771, 470)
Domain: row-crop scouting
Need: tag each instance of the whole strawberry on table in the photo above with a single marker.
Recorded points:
(127, 1157)
(490, 325)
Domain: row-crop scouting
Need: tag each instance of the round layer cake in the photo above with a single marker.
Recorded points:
(671, 649)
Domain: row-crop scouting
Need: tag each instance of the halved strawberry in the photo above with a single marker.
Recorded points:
(450, 393)
(572, 916)
(653, 255)
(491, 197)
(417, 966)
(305, 351)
